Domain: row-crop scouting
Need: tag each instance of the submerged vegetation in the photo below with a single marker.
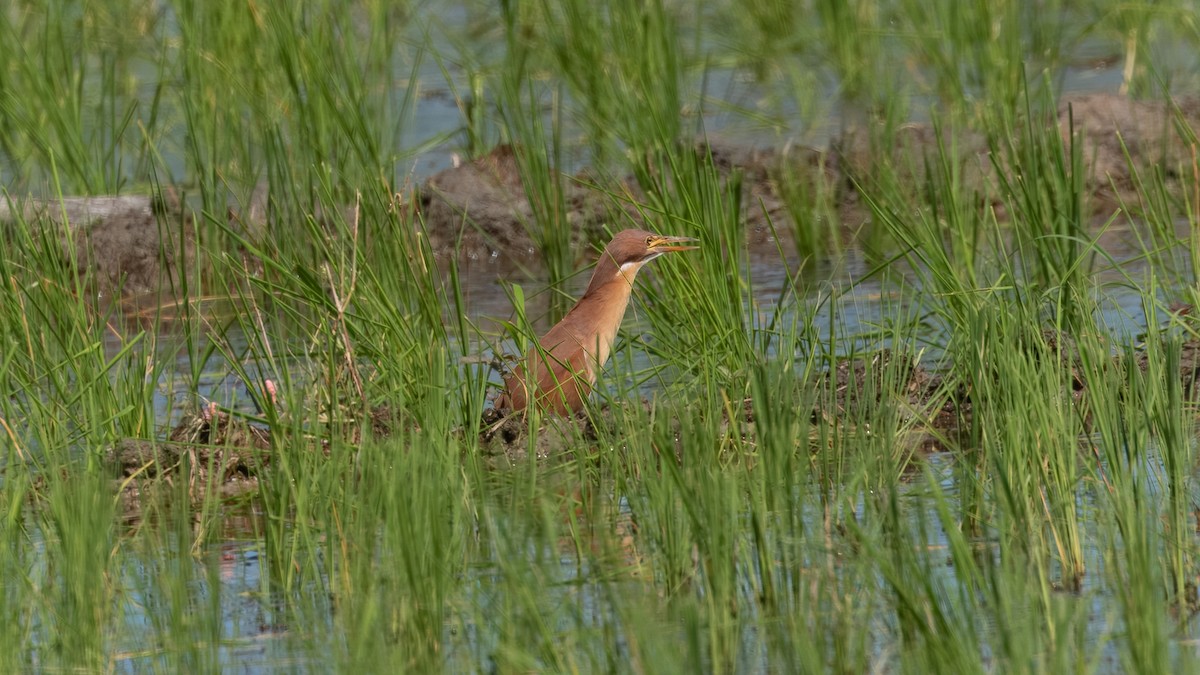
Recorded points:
(923, 401)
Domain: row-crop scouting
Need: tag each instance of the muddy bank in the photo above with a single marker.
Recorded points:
(216, 453)
(212, 451)
(936, 409)
(132, 243)
(1149, 130)
(480, 210)
(845, 393)
(790, 189)
(1105, 126)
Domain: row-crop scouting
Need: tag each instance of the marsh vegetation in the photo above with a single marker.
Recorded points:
(923, 401)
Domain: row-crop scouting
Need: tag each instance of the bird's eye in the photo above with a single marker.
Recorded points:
(649, 241)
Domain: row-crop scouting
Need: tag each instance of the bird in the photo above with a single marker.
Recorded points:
(558, 374)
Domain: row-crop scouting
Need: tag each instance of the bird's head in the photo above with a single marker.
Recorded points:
(637, 247)
(629, 250)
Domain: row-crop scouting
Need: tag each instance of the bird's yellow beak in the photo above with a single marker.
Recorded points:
(668, 244)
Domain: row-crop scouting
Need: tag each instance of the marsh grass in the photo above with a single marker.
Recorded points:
(622, 61)
(758, 514)
(539, 158)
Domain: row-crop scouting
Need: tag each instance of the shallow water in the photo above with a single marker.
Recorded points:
(263, 631)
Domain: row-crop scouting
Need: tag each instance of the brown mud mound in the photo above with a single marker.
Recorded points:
(480, 208)
(131, 243)
(507, 437)
(213, 451)
(846, 392)
(784, 188)
(1112, 125)
(219, 453)
(932, 413)
(223, 470)
(863, 383)
(1106, 125)
(1189, 366)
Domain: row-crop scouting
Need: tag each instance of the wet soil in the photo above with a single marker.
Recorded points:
(1106, 127)
(851, 389)
(935, 409)
(1149, 131)
(480, 207)
(480, 210)
(215, 453)
(131, 244)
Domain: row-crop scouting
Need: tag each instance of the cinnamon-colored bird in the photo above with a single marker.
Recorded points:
(570, 356)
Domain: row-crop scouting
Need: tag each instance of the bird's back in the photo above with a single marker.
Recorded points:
(562, 377)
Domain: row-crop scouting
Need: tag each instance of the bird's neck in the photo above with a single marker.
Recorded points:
(608, 272)
(606, 298)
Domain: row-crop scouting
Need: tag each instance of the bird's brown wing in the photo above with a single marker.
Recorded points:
(561, 379)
